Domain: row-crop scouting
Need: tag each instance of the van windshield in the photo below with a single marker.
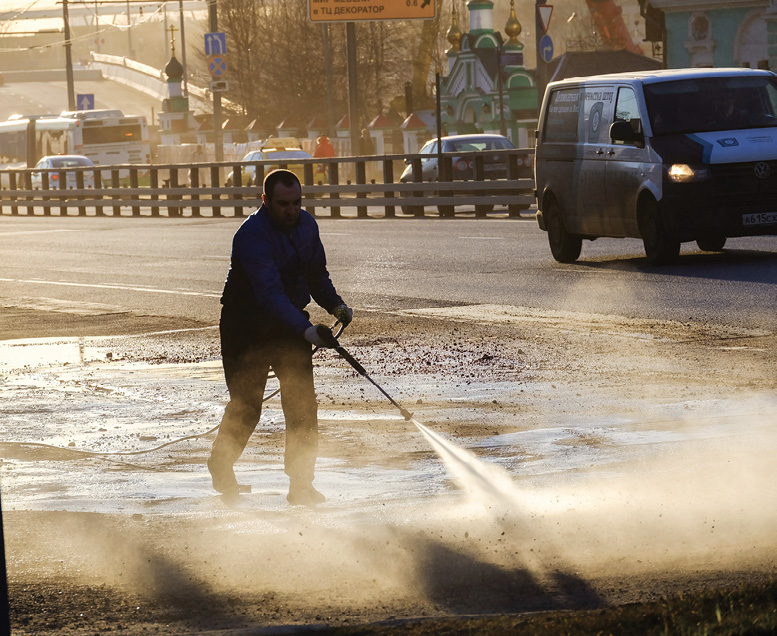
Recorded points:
(710, 104)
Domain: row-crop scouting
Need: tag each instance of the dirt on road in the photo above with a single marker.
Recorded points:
(606, 461)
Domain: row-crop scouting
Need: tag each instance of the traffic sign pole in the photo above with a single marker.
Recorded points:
(214, 27)
(71, 91)
(542, 67)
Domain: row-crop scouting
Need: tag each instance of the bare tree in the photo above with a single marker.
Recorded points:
(277, 60)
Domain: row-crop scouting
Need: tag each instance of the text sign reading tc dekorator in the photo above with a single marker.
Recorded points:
(352, 10)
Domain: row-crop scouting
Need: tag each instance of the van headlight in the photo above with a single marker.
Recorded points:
(683, 173)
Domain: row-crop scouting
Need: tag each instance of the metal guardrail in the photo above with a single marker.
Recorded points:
(198, 190)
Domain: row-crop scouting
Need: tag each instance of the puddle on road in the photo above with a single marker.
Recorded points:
(70, 393)
(20, 354)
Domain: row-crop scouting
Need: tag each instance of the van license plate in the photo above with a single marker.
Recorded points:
(760, 218)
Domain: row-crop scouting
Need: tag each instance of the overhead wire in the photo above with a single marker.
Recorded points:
(87, 36)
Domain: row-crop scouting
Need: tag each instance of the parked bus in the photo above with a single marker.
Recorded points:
(107, 137)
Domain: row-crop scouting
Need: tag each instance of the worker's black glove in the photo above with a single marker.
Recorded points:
(344, 314)
(321, 336)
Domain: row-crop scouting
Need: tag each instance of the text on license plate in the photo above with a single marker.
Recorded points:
(759, 218)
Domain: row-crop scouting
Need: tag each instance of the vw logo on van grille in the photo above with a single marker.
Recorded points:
(762, 170)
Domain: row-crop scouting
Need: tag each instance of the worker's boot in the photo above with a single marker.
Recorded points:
(223, 456)
(302, 493)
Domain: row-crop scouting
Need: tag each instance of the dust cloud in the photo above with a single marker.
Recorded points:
(496, 542)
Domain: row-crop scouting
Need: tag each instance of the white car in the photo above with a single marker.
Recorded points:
(53, 163)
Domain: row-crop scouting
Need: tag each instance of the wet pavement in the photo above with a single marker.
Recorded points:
(614, 455)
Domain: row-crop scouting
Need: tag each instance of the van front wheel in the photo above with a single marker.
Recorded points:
(661, 248)
(564, 246)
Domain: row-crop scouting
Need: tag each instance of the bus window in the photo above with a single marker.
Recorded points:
(111, 134)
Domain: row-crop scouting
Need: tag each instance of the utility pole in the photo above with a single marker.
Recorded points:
(183, 50)
(353, 102)
(130, 52)
(71, 89)
(168, 45)
(214, 27)
(330, 104)
(96, 27)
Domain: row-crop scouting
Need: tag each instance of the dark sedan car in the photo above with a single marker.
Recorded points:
(495, 166)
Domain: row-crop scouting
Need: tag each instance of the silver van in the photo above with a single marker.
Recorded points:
(667, 156)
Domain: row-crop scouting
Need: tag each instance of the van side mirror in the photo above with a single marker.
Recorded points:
(629, 132)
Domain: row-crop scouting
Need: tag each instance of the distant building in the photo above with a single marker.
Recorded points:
(715, 33)
(487, 88)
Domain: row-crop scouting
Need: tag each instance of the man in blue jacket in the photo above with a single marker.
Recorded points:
(277, 264)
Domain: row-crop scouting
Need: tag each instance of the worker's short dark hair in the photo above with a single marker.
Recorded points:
(286, 177)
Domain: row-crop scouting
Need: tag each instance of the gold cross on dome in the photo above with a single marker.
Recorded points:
(172, 39)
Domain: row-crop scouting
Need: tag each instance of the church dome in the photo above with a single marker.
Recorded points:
(174, 69)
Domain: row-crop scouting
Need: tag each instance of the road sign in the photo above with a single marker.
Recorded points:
(219, 86)
(546, 48)
(339, 11)
(217, 65)
(85, 101)
(546, 10)
(215, 44)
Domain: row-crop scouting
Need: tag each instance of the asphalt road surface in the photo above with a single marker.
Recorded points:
(607, 429)
(176, 268)
(50, 98)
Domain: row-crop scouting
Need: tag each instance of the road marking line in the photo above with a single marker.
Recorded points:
(150, 290)
(35, 232)
(483, 238)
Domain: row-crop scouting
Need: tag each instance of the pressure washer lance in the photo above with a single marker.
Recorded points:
(326, 335)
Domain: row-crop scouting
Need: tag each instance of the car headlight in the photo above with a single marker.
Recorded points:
(683, 173)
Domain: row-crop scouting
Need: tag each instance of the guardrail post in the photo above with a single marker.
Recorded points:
(115, 185)
(307, 174)
(388, 177)
(134, 184)
(97, 176)
(12, 188)
(237, 182)
(445, 175)
(173, 211)
(44, 184)
(153, 182)
(334, 179)
(194, 184)
(31, 197)
(418, 177)
(62, 183)
(480, 175)
(214, 183)
(361, 179)
(80, 186)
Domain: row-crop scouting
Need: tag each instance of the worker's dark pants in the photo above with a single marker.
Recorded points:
(247, 362)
